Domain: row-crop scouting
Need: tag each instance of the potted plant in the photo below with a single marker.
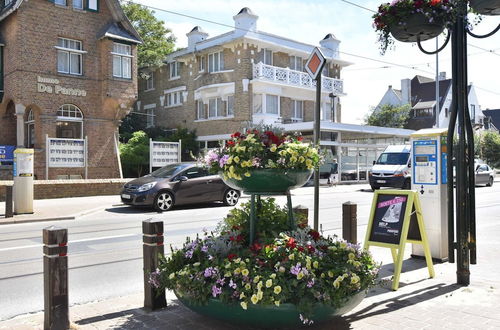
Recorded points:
(263, 161)
(486, 7)
(283, 278)
(412, 20)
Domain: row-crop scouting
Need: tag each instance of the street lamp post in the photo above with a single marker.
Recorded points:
(464, 240)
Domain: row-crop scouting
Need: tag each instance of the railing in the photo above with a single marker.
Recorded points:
(286, 76)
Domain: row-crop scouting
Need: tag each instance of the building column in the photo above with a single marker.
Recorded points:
(20, 124)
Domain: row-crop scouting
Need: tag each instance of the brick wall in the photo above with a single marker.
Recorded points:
(44, 189)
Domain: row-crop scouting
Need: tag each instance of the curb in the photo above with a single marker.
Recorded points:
(10, 222)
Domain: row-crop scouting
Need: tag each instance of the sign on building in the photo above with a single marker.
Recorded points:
(163, 153)
(6, 153)
(66, 153)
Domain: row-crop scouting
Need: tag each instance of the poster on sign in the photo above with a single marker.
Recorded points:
(388, 219)
(66, 152)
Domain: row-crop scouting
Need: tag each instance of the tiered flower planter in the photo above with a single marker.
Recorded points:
(417, 27)
(270, 181)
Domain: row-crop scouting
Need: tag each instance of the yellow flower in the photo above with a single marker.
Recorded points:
(227, 274)
(293, 159)
(248, 286)
(236, 159)
(259, 285)
(343, 245)
(237, 271)
(269, 283)
(282, 153)
(273, 276)
(273, 148)
(254, 299)
(228, 265)
(242, 148)
(277, 289)
(260, 295)
(231, 170)
(354, 279)
(237, 260)
(308, 162)
(256, 279)
(336, 284)
(229, 160)
(351, 256)
(244, 305)
(330, 273)
(171, 276)
(242, 295)
(245, 272)
(316, 264)
(323, 275)
(291, 256)
(247, 174)
(249, 137)
(301, 159)
(300, 275)
(277, 303)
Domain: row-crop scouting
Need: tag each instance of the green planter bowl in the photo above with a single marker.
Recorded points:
(270, 180)
(270, 316)
(486, 7)
(416, 27)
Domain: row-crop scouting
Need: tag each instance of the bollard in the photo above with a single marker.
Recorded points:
(349, 222)
(9, 212)
(302, 213)
(152, 231)
(55, 278)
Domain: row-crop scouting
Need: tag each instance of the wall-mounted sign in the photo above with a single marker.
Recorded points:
(66, 152)
(7, 153)
(51, 86)
(163, 153)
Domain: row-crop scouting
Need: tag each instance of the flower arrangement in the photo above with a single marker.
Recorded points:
(398, 12)
(299, 266)
(261, 149)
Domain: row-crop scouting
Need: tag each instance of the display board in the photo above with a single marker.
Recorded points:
(393, 213)
(425, 161)
(66, 152)
(6, 153)
(163, 153)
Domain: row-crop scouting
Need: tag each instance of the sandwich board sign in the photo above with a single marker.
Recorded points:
(396, 219)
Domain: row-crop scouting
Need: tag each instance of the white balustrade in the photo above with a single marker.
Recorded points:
(286, 76)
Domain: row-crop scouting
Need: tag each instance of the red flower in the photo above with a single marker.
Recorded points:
(231, 238)
(291, 243)
(418, 4)
(231, 256)
(236, 135)
(435, 2)
(300, 248)
(300, 138)
(256, 247)
(239, 238)
(311, 249)
(314, 234)
(230, 143)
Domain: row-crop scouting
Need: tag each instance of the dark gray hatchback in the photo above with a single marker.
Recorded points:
(176, 184)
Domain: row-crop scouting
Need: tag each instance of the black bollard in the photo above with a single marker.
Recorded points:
(9, 212)
(55, 278)
(152, 248)
(349, 222)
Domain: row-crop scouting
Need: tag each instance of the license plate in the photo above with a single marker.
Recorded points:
(380, 181)
(126, 196)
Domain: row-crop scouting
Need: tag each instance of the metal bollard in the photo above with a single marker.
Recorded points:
(302, 213)
(152, 231)
(349, 222)
(55, 278)
(9, 211)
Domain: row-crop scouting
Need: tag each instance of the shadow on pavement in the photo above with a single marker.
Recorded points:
(125, 209)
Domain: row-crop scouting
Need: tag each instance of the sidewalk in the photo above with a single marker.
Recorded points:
(61, 208)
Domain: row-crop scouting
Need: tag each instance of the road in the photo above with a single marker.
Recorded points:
(105, 247)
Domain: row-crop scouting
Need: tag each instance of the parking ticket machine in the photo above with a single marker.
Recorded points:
(429, 161)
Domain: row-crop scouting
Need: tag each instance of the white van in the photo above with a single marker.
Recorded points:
(392, 168)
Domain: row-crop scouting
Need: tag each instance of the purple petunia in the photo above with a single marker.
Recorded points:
(223, 160)
(216, 291)
(209, 272)
(296, 269)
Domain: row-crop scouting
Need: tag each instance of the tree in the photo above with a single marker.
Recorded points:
(135, 155)
(158, 41)
(490, 148)
(189, 145)
(389, 116)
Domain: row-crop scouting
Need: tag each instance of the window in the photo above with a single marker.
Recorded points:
(215, 107)
(423, 112)
(216, 62)
(326, 111)
(150, 121)
(7, 2)
(60, 2)
(69, 56)
(473, 113)
(296, 63)
(174, 99)
(78, 4)
(69, 124)
(230, 105)
(267, 56)
(92, 5)
(122, 61)
(326, 70)
(175, 71)
(266, 104)
(201, 67)
(272, 104)
(446, 112)
(297, 110)
(200, 110)
(30, 123)
(149, 82)
(257, 103)
(195, 172)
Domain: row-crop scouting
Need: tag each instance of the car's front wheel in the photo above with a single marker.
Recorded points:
(490, 183)
(231, 197)
(164, 201)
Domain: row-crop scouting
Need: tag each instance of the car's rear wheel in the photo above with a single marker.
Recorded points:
(231, 197)
(164, 201)
(490, 183)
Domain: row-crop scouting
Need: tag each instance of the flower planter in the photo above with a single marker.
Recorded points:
(486, 7)
(270, 180)
(270, 316)
(417, 27)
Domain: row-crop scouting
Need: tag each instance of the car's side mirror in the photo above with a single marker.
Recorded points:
(409, 165)
(183, 178)
(374, 162)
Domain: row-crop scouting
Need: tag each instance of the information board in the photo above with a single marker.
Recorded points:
(66, 152)
(163, 153)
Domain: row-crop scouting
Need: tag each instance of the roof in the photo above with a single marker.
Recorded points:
(424, 105)
(115, 30)
(246, 10)
(7, 10)
(494, 116)
(398, 93)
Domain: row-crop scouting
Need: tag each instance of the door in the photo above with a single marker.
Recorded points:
(195, 189)
(482, 174)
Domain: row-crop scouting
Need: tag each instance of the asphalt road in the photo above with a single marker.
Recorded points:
(105, 247)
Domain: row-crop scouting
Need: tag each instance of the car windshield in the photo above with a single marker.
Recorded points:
(393, 158)
(168, 171)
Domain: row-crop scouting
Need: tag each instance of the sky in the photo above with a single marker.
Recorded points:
(366, 81)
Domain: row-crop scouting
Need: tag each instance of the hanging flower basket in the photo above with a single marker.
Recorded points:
(415, 28)
(269, 180)
(270, 316)
(486, 7)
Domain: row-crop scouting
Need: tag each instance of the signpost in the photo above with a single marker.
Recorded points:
(396, 219)
(163, 153)
(314, 66)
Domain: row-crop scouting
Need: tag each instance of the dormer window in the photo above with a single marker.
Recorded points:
(122, 60)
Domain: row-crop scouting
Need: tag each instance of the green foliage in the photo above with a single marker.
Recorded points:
(158, 41)
(189, 145)
(490, 148)
(389, 116)
(135, 155)
(133, 122)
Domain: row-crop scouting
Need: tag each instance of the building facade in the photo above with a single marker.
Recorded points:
(68, 71)
(247, 77)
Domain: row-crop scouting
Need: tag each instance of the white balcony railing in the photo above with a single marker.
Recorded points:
(286, 76)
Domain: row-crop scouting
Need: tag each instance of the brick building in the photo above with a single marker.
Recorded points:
(245, 77)
(68, 70)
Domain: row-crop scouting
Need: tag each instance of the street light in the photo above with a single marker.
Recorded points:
(464, 242)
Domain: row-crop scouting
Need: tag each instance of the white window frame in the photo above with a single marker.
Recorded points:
(174, 99)
(75, 7)
(263, 105)
(150, 115)
(60, 2)
(296, 63)
(326, 111)
(30, 122)
(122, 56)
(230, 106)
(174, 70)
(295, 116)
(219, 107)
(216, 64)
(70, 113)
(69, 52)
(200, 110)
(150, 82)
(265, 56)
(201, 65)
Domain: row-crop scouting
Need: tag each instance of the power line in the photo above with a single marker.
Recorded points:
(486, 90)
(356, 5)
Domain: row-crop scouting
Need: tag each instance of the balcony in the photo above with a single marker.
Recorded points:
(285, 76)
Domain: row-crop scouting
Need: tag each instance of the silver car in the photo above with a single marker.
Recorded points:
(485, 175)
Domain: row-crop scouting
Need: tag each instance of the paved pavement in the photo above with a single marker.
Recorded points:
(420, 303)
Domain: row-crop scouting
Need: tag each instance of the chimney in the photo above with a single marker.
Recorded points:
(390, 86)
(406, 91)
(330, 46)
(442, 76)
(245, 21)
(194, 36)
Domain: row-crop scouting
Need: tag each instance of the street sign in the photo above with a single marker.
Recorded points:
(7, 153)
(315, 63)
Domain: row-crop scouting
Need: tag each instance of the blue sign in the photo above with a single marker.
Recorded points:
(7, 153)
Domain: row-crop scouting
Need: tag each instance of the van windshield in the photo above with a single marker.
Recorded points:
(393, 158)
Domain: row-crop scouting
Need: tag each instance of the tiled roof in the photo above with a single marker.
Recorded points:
(494, 116)
(116, 31)
(6, 10)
